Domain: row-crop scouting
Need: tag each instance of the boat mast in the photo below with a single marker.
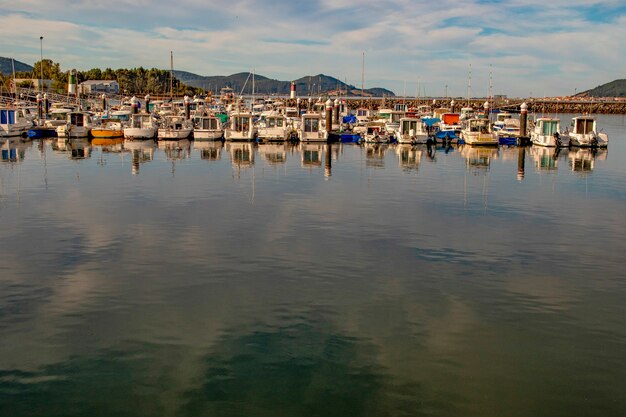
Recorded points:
(171, 75)
(14, 85)
(469, 85)
(490, 89)
(363, 77)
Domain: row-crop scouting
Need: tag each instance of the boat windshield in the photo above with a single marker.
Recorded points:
(311, 125)
(550, 127)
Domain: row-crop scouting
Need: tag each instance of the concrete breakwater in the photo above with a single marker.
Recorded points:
(608, 106)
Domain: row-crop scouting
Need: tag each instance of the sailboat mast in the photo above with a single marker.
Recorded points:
(171, 75)
(363, 76)
(469, 85)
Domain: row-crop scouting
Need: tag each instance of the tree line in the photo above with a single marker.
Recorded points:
(134, 81)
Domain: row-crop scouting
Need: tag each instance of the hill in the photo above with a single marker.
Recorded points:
(314, 85)
(615, 88)
(7, 69)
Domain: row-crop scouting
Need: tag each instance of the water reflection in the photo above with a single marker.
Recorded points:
(142, 151)
(409, 156)
(209, 150)
(13, 149)
(478, 159)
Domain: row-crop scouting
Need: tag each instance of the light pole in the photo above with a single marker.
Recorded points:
(41, 62)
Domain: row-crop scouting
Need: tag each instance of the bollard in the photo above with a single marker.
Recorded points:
(329, 116)
(45, 104)
(523, 121)
(147, 100)
(134, 105)
(336, 112)
(452, 105)
(486, 108)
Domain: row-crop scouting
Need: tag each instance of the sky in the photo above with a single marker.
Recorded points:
(521, 48)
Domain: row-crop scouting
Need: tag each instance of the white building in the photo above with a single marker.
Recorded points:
(99, 86)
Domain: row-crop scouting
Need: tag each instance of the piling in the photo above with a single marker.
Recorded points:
(452, 106)
(147, 101)
(336, 112)
(45, 104)
(486, 109)
(523, 125)
(329, 116)
(104, 102)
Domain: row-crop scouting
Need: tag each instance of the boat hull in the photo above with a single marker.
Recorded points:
(140, 133)
(199, 134)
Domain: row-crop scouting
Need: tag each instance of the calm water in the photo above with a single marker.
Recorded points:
(306, 281)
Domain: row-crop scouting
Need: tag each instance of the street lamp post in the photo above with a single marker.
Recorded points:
(41, 62)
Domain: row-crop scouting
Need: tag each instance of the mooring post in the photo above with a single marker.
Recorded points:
(336, 110)
(523, 122)
(452, 104)
(45, 104)
(134, 105)
(104, 102)
(147, 100)
(329, 115)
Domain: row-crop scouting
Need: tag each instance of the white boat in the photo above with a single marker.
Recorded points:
(274, 126)
(57, 117)
(585, 133)
(78, 125)
(311, 128)
(142, 126)
(506, 126)
(174, 128)
(477, 131)
(11, 124)
(241, 127)
(412, 131)
(207, 128)
(547, 132)
(376, 133)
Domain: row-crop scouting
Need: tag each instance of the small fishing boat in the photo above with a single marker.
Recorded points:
(12, 125)
(241, 127)
(207, 127)
(274, 127)
(477, 131)
(376, 133)
(546, 132)
(174, 128)
(585, 133)
(141, 126)
(108, 129)
(411, 131)
(311, 128)
(78, 125)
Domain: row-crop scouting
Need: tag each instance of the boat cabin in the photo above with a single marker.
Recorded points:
(583, 125)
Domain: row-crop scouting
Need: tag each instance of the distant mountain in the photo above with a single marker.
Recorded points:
(6, 67)
(615, 88)
(315, 84)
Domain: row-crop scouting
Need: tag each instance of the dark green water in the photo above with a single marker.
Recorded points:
(275, 281)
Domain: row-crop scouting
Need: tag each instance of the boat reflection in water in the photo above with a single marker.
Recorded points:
(176, 149)
(582, 160)
(311, 154)
(114, 145)
(274, 153)
(142, 151)
(375, 154)
(409, 156)
(241, 154)
(546, 159)
(209, 150)
(478, 158)
(13, 150)
(79, 148)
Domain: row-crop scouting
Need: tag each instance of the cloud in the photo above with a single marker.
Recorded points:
(529, 44)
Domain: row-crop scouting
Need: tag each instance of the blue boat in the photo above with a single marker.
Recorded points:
(40, 132)
(349, 137)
